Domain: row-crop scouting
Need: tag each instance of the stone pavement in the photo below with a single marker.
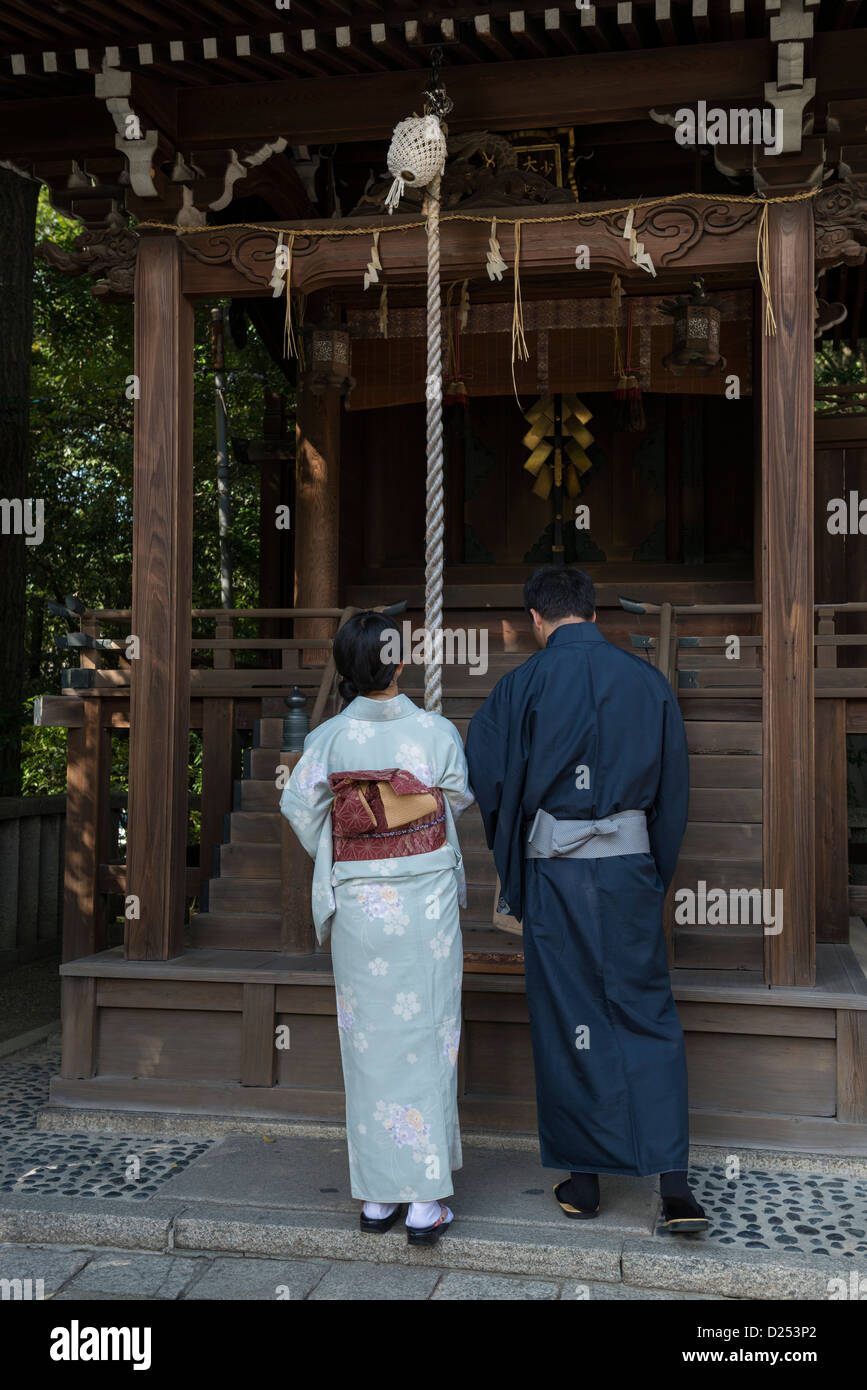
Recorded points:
(91, 1275)
(223, 1214)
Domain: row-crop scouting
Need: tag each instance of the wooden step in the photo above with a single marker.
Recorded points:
(255, 827)
(719, 678)
(698, 658)
(268, 733)
(706, 706)
(718, 948)
(262, 764)
(723, 736)
(245, 895)
(725, 804)
(254, 931)
(484, 945)
(717, 873)
(253, 795)
(709, 841)
(725, 770)
(249, 860)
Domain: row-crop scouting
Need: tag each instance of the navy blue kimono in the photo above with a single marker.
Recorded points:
(583, 730)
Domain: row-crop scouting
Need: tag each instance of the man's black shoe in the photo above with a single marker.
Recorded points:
(574, 1213)
(683, 1216)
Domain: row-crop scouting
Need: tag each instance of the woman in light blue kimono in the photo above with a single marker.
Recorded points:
(392, 914)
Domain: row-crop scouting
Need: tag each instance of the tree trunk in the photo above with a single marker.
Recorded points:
(18, 198)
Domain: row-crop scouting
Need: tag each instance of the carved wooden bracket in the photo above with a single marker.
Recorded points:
(840, 212)
(107, 255)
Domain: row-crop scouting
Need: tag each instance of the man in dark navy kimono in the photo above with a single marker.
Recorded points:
(579, 764)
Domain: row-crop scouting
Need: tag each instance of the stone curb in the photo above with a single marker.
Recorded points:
(733, 1274)
(35, 1035)
(64, 1221)
(475, 1245)
(668, 1264)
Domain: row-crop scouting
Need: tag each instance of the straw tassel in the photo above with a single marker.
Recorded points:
(519, 342)
(383, 312)
(763, 259)
(290, 346)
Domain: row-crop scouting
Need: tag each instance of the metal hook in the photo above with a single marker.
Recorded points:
(436, 99)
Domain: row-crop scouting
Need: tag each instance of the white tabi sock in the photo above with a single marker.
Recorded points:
(423, 1214)
(378, 1211)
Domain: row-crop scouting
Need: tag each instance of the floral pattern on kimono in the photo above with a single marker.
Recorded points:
(394, 927)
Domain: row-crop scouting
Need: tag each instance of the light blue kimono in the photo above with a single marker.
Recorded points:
(396, 951)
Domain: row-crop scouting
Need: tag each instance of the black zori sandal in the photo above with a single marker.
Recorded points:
(682, 1217)
(428, 1235)
(574, 1213)
(382, 1223)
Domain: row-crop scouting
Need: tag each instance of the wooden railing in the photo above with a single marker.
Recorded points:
(222, 674)
(670, 647)
(32, 861)
(228, 693)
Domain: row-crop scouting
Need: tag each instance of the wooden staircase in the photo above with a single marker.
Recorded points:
(722, 846)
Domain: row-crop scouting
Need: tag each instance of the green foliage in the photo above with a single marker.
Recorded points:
(844, 367)
(81, 465)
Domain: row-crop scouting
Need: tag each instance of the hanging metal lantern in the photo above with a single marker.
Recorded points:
(696, 332)
(327, 358)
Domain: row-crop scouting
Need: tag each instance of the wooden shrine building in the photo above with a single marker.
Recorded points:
(196, 141)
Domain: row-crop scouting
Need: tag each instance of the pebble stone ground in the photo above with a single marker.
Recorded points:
(784, 1210)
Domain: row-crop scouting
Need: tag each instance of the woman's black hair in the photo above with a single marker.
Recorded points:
(358, 654)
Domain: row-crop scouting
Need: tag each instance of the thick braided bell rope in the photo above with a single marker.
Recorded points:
(434, 530)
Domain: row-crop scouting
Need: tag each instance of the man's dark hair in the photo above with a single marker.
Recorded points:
(358, 650)
(560, 591)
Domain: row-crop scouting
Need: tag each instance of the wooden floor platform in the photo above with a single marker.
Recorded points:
(769, 1068)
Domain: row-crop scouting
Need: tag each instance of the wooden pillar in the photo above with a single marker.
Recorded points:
(161, 601)
(788, 728)
(88, 763)
(317, 503)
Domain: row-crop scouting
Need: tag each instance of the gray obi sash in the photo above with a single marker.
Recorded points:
(623, 833)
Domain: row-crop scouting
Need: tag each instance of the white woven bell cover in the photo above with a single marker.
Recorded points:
(418, 150)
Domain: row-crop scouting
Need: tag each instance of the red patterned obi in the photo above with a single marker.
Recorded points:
(385, 815)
